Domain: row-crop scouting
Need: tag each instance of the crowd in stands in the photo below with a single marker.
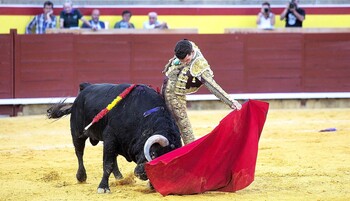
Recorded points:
(70, 17)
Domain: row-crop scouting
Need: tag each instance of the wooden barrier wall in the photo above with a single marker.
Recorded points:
(7, 72)
(53, 65)
(6, 66)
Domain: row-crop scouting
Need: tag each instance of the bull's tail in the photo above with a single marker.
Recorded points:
(59, 110)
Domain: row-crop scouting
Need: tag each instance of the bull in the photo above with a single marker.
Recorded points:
(140, 128)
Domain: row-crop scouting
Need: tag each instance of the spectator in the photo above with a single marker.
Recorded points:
(125, 22)
(293, 14)
(95, 22)
(185, 73)
(153, 22)
(265, 19)
(69, 17)
(43, 21)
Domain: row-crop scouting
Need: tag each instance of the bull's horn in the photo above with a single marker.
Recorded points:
(160, 139)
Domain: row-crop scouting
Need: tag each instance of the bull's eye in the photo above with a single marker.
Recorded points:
(153, 155)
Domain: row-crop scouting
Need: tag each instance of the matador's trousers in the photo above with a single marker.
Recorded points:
(177, 106)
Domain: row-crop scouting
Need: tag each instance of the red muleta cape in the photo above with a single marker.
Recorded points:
(223, 160)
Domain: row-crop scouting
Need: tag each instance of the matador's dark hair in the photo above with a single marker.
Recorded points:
(183, 48)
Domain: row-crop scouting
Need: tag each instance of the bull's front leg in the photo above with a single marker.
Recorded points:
(109, 160)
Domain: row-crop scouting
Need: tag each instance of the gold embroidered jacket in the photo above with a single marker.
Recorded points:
(188, 78)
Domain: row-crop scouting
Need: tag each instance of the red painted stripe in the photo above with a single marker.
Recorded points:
(176, 11)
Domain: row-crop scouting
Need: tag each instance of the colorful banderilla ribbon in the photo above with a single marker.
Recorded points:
(110, 106)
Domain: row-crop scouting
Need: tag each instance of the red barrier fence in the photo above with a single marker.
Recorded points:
(53, 65)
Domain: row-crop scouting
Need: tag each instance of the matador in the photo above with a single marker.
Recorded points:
(185, 73)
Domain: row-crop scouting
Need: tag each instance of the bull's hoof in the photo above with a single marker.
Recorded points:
(150, 186)
(103, 190)
(81, 177)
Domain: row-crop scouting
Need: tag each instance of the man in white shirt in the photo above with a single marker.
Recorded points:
(153, 22)
(265, 19)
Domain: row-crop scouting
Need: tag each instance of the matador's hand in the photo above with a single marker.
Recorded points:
(236, 105)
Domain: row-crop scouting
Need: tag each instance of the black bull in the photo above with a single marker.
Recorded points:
(125, 130)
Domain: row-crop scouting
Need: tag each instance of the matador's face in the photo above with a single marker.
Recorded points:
(188, 58)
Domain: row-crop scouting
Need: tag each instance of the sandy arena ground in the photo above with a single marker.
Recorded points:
(295, 161)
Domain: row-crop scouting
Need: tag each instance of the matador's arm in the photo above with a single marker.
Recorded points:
(168, 64)
(213, 87)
